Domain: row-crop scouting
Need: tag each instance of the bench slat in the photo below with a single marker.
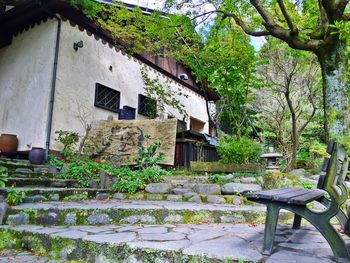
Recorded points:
(314, 194)
(295, 196)
(284, 197)
(268, 195)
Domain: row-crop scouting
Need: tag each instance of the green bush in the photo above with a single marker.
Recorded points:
(130, 181)
(83, 170)
(15, 197)
(239, 150)
(319, 149)
(278, 180)
(218, 179)
(148, 156)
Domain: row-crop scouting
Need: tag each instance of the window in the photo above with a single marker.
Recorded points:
(107, 98)
(147, 106)
(127, 113)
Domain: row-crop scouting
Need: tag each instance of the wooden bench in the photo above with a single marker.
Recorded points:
(331, 192)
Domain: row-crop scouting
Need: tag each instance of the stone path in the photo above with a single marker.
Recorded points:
(172, 243)
(16, 256)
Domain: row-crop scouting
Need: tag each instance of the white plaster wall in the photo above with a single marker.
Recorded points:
(25, 81)
(78, 71)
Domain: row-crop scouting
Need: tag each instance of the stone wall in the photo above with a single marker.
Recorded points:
(118, 141)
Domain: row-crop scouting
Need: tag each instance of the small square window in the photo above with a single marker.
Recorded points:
(147, 106)
(107, 98)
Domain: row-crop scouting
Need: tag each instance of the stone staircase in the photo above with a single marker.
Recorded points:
(115, 227)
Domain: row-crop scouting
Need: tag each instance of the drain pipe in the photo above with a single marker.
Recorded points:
(53, 85)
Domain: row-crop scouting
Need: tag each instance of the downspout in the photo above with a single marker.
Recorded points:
(53, 85)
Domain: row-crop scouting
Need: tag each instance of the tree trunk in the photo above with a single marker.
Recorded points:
(333, 60)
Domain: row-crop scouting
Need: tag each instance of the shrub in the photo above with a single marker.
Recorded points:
(148, 156)
(218, 179)
(319, 149)
(83, 170)
(130, 181)
(69, 141)
(15, 197)
(239, 150)
(278, 180)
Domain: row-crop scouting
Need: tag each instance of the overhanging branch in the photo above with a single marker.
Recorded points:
(288, 18)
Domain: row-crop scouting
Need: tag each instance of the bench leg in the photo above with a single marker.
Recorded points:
(341, 216)
(270, 227)
(297, 221)
(337, 244)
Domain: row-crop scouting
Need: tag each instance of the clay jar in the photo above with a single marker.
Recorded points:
(8, 142)
(36, 155)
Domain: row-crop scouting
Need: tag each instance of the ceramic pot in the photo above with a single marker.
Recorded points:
(36, 155)
(8, 142)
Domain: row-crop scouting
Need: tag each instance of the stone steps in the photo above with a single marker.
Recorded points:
(42, 182)
(76, 194)
(169, 243)
(104, 212)
(56, 193)
(24, 165)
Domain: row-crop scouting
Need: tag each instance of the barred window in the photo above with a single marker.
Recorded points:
(107, 98)
(147, 106)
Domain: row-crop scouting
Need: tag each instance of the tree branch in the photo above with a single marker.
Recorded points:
(286, 15)
(263, 12)
(246, 29)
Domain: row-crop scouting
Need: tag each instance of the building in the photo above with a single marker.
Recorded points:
(58, 71)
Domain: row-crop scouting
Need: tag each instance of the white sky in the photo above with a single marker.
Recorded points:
(154, 4)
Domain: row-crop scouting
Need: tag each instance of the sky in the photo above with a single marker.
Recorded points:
(257, 42)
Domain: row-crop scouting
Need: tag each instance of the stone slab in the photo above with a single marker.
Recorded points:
(199, 243)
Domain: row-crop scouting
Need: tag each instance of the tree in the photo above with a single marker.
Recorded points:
(290, 101)
(310, 25)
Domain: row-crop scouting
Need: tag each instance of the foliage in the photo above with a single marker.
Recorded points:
(83, 170)
(3, 176)
(238, 150)
(278, 180)
(241, 174)
(15, 197)
(344, 141)
(319, 149)
(218, 179)
(53, 160)
(290, 99)
(320, 27)
(130, 181)
(163, 93)
(148, 156)
(69, 140)
(308, 185)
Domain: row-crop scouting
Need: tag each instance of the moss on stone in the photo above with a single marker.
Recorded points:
(136, 196)
(76, 197)
(34, 243)
(10, 239)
